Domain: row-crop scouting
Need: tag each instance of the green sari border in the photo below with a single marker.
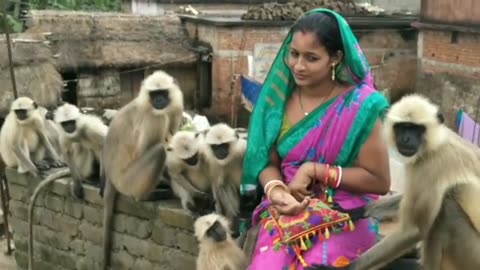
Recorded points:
(372, 108)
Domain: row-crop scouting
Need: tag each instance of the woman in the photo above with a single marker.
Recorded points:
(316, 127)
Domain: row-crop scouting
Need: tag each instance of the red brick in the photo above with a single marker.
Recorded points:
(438, 47)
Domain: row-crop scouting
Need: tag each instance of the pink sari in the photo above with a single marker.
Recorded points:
(332, 134)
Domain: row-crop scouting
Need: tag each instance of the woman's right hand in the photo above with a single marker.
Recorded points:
(285, 203)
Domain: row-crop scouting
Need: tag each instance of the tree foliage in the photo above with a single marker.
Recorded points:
(15, 9)
(91, 5)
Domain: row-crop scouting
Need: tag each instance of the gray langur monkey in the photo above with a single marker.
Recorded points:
(217, 249)
(24, 140)
(224, 153)
(134, 153)
(81, 142)
(439, 207)
(188, 171)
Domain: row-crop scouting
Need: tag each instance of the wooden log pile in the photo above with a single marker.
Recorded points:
(294, 9)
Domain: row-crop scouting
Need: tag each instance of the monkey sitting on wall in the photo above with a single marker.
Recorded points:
(217, 249)
(24, 140)
(81, 142)
(188, 170)
(134, 153)
(439, 207)
(224, 154)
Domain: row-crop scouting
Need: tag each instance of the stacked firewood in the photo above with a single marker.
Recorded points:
(293, 9)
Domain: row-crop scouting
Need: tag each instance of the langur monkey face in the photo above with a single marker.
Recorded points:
(212, 227)
(186, 146)
(221, 139)
(161, 91)
(23, 108)
(159, 98)
(413, 125)
(67, 116)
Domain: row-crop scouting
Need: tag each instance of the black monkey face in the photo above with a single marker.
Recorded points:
(217, 232)
(221, 151)
(191, 161)
(69, 126)
(159, 98)
(408, 137)
(22, 114)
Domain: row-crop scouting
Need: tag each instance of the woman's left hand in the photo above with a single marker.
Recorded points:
(300, 186)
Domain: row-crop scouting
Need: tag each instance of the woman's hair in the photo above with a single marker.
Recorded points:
(325, 28)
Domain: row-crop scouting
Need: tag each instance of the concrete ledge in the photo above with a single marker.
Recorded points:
(425, 25)
(356, 22)
(68, 232)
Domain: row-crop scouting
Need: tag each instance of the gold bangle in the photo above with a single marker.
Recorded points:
(332, 173)
(269, 191)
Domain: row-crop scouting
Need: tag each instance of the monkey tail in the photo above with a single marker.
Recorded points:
(51, 178)
(384, 208)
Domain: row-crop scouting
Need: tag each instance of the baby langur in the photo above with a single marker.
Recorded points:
(134, 153)
(24, 140)
(81, 141)
(225, 152)
(217, 249)
(187, 168)
(439, 207)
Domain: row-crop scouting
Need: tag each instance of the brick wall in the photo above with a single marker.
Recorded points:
(391, 52)
(449, 64)
(68, 232)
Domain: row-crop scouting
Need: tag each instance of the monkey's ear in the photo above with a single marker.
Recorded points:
(440, 118)
(169, 149)
(35, 106)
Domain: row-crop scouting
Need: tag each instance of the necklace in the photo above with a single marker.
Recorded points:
(323, 100)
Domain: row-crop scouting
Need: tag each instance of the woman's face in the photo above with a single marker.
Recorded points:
(309, 61)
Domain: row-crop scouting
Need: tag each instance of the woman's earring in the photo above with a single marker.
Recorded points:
(333, 72)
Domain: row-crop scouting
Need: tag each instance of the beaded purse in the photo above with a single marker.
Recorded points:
(298, 233)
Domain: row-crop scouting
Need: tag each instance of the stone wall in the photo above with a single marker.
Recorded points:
(390, 47)
(68, 232)
(449, 69)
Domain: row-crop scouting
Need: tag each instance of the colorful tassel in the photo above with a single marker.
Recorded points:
(302, 244)
(308, 243)
(299, 256)
(351, 225)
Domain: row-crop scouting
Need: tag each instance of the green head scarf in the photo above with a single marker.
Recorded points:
(267, 114)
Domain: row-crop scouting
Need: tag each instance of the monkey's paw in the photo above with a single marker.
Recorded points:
(57, 164)
(42, 165)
